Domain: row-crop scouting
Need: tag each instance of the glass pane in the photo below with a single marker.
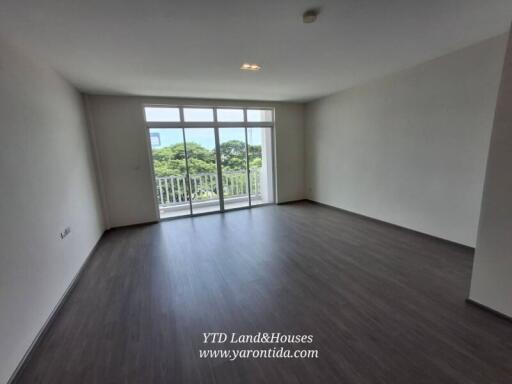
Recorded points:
(259, 142)
(230, 115)
(259, 115)
(202, 167)
(154, 114)
(198, 114)
(168, 154)
(234, 167)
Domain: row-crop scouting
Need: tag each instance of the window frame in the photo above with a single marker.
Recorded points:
(215, 124)
(202, 124)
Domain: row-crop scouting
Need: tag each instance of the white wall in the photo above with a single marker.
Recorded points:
(120, 134)
(410, 148)
(47, 182)
(491, 283)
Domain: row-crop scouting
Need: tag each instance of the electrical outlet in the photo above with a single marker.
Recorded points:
(66, 232)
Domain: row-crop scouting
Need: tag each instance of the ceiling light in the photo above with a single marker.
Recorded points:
(250, 67)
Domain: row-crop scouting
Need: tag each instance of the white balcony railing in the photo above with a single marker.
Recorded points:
(172, 190)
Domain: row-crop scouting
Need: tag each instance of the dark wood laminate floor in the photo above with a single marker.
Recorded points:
(385, 305)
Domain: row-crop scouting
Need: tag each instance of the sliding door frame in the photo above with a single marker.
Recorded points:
(216, 125)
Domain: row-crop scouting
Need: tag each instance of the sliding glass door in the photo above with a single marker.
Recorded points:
(202, 169)
(170, 167)
(259, 145)
(233, 153)
(210, 159)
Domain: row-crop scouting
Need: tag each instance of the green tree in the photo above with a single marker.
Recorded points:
(170, 161)
(254, 156)
(233, 155)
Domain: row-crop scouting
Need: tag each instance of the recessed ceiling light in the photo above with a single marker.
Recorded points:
(250, 67)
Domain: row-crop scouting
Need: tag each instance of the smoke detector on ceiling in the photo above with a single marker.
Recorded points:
(310, 16)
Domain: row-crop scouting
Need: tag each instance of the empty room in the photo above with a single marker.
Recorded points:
(274, 191)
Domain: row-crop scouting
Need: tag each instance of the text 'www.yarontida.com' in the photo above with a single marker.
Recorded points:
(273, 352)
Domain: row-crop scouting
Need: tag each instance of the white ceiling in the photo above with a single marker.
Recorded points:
(194, 48)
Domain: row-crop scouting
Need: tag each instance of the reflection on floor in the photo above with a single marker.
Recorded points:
(183, 209)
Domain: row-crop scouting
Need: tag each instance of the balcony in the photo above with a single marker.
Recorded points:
(172, 192)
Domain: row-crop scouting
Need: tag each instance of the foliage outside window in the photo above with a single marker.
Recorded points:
(168, 161)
